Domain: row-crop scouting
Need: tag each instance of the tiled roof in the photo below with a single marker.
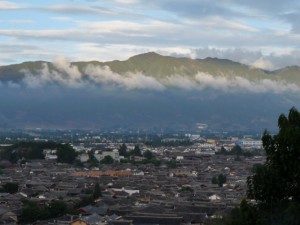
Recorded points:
(102, 173)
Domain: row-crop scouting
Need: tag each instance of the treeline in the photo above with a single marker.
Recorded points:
(238, 151)
(149, 157)
(23, 151)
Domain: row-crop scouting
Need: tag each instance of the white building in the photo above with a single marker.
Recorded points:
(114, 154)
(250, 143)
(83, 157)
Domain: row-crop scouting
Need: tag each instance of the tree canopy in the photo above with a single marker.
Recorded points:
(279, 178)
(123, 150)
(107, 160)
(65, 153)
(275, 185)
(136, 151)
(220, 180)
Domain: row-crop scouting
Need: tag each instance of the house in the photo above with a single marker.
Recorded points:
(114, 154)
(128, 191)
(89, 210)
(8, 216)
(93, 219)
(83, 157)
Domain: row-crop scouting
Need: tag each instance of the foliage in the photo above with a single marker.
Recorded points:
(97, 191)
(57, 208)
(155, 162)
(148, 155)
(26, 150)
(172, 164)
(123, 150)
(223, 151)
(93, 161)
(10, 187)
(65, 153)
(280, 175)
(236, 150)
(220, 180)
(22, 151)
(136, 151)
(31, 211)
(107, 160)
(86, 200)
(275, 185)
(186, 189)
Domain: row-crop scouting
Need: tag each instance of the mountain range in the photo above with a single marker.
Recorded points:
(147, 91)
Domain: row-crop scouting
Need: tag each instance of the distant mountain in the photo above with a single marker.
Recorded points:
(158, 66)
(147, 91)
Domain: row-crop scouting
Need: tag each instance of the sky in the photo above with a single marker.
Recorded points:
(264, 34)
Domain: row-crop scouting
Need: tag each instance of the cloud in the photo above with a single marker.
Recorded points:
(5, 5)
(64, 73)
(17, 21)
(80, 9)
(203, 81)
(129, 81)
(263, 64)
(217, 22)
(278, 58)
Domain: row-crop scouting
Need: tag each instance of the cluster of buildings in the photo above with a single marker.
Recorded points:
(131, 194)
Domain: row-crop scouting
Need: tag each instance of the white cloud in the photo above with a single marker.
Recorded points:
(9, 5)
(61, 18)
(225, 84)
(263, 64)
(64, 74)
(17, 21)
(217, 22)
(129, 81)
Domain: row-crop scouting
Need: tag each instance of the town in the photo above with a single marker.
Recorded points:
(93, 178)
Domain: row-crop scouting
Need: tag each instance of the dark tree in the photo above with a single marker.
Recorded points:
(275, 185)
(107, 160)
(10, 187)
(57, 208)
(223, 151)
(136, 151)
(172, 164)
(279, 178)
(220, 180)
(123, 150)
(30, 212)
(148, 155)
(66, 153)
(97, 191)
(237, 150)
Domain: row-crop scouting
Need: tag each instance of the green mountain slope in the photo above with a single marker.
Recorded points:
(160, 67)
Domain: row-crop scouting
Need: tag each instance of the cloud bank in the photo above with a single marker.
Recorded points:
(62, 72)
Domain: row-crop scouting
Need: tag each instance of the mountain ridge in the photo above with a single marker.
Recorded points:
(158, 66)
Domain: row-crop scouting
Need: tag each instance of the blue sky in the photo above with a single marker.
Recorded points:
(264, 34)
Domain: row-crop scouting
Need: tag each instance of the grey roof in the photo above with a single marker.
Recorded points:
(93, 219)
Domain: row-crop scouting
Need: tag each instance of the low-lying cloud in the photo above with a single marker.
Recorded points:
(203, 81)
(62, 72)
